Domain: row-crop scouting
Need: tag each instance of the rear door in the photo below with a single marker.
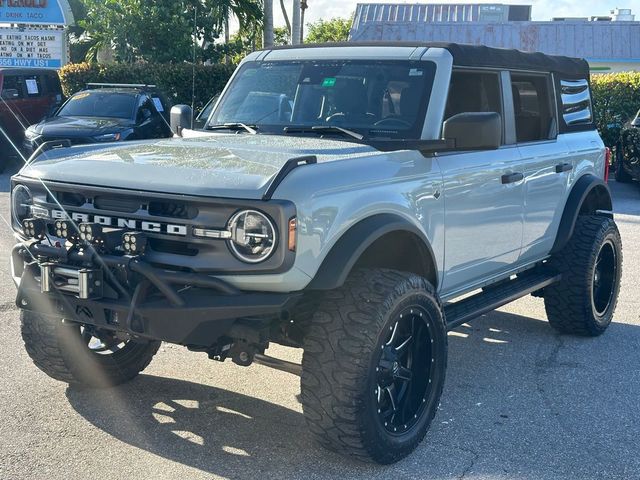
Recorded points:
(484, 193)
(547, 166)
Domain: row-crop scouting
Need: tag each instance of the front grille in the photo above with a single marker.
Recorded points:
(71, 199)
(169, 246)
(117, 204)
(167, 221)
(172, 209)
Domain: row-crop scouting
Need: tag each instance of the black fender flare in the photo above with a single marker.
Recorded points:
(579, 193)
(343, 256)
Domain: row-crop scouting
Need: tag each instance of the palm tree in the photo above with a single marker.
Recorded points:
(286, 17)
(268, 23)
(248, 12)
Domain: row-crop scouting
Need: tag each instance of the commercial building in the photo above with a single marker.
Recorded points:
(609, 43)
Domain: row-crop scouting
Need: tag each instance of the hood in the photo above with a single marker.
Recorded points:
(231, 166)
(80, 126)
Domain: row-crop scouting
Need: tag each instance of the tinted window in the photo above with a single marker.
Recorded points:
(11, 87)
(474, 92)
(146, 110)
(100, 104)
(373, 98)
(53, 86)
(533, 108)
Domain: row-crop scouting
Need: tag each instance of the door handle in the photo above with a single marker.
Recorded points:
(564, 167)
(512, 178)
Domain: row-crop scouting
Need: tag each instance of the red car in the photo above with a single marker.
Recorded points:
(27, 95)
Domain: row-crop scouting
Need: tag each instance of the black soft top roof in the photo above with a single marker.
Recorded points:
(481, 56)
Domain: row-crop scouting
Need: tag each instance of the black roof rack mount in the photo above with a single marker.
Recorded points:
(119, 85)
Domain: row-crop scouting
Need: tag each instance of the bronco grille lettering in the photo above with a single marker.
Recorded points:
(116, 222)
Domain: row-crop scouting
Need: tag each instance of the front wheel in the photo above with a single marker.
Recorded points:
(80, 355)
(584, 301)
(374, 365)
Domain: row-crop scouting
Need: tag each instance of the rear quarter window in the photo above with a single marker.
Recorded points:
(577, 108)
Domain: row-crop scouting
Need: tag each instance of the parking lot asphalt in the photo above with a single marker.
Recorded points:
(520, 402)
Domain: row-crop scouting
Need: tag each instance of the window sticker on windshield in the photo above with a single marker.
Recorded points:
(415, 72)
(158, 104)
(32, 86)
(329, 82)
(80, 96)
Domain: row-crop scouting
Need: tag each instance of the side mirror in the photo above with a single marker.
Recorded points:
(474, 130)
(181, 118)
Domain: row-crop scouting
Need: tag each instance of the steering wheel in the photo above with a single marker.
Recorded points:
(392, 122)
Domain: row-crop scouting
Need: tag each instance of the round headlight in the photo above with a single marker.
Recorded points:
(21, 201)
(253, 236)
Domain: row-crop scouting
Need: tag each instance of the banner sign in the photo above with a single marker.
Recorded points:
(32, 48)
(36, 12)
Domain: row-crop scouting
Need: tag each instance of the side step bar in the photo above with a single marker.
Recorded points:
(462, 311)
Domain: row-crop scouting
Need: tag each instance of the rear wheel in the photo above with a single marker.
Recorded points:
(584, 301)
(76, 354)
(374, 365)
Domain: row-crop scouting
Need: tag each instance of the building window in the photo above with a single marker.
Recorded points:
(533, 108)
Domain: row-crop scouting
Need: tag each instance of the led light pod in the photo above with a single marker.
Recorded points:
(35, 228)
(134, 243)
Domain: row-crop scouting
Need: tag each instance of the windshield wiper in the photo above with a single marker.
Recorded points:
(320, 129)
(252, 129)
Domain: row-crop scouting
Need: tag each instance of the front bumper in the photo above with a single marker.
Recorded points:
(183, 308)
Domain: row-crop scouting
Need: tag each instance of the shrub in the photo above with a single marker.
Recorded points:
(175, 80)
(616, 99)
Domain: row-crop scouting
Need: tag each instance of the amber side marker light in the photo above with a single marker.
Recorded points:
(293, 226)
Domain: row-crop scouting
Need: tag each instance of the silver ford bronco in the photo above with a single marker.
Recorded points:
(356, 201)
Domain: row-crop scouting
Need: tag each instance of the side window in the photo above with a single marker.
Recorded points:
(533, 108)
(11, 87)
(145, 110)
(474, 92)
(577, 108)
(33, 86)
(53, 87)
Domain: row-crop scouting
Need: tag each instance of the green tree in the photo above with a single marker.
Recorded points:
(163, 30)
(334, 30)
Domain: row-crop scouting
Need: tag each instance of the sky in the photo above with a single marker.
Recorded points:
(542, 10)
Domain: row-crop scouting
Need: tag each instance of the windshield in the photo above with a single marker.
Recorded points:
(100, 104)
(373, 98)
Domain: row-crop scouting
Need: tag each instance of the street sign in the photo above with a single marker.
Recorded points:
(36, 12)
(39, 48)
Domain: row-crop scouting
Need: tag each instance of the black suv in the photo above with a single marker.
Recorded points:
(627, 166)
(105, 113)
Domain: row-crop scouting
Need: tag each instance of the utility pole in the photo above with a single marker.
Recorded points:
(268, 24)
(303, 6)
(295, 23)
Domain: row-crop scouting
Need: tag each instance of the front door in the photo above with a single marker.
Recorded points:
(484, 193)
